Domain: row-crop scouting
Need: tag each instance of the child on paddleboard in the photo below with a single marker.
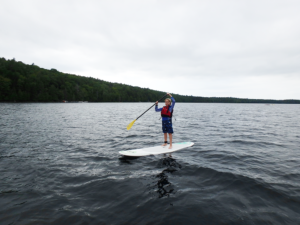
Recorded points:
(166, 114)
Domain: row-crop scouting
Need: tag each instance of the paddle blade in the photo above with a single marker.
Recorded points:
(130, 125)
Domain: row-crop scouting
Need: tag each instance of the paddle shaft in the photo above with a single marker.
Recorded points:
(152, 106)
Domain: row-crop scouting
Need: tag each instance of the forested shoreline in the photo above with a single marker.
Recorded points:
(20, 82)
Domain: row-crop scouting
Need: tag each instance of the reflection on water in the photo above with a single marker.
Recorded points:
(127, 159)
(163, 186)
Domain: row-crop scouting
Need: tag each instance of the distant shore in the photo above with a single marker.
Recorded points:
(20, 82)
(263, 103)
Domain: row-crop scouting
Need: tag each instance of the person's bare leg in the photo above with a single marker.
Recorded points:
(166, 139)
(170, 138)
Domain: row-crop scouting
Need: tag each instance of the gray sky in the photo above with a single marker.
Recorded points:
(219, 48)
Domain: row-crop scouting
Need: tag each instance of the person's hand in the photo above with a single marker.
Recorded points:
(156, 102)
(169, 94)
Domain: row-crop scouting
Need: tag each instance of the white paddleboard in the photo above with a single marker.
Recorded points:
(156, 150)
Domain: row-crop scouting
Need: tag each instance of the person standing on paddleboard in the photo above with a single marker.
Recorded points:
(166, 114)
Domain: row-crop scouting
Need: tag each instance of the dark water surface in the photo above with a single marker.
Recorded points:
(59, 164)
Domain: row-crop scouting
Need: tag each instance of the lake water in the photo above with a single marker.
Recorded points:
(59, 164)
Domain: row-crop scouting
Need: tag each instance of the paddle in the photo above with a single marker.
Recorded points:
(131, 124)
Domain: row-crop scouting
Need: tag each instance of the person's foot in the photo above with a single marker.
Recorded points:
(164, 144)
(170, 146)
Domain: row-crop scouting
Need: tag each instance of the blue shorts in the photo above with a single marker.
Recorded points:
(167, 127)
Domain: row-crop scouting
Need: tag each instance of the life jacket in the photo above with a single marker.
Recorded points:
(165, 112)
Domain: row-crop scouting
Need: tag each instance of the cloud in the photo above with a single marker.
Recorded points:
(203, 48)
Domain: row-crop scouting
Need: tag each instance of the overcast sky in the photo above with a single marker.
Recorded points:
(248, 49)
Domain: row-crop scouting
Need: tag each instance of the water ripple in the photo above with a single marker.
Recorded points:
(60, 165)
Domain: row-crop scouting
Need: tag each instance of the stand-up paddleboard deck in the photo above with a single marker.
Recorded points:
(156, 150)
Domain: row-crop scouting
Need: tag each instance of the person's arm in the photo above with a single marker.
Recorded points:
(173, 103)
(156, 108)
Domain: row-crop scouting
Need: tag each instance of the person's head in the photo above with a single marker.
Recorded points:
(168, 102)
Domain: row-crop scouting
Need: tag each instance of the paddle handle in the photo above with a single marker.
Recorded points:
(152, 106)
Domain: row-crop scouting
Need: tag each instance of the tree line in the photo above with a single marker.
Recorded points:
(20, 82)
